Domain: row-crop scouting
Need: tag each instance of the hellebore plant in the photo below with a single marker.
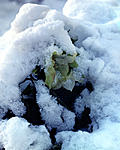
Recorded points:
(59, 73)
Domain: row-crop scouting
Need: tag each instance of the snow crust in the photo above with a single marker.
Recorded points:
(17, 132)
(37, 32)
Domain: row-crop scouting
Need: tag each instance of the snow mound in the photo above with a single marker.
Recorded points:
(106, 138)
(90, 10)
(27, 15)
(17, 132)
(8, 10)
(32, 45)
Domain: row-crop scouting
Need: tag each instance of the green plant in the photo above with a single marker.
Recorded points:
(60, 70)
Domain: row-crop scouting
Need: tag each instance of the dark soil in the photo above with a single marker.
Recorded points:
(83, 122)
(65, 97)
(9, 115)
(52, 135)
(32, 114)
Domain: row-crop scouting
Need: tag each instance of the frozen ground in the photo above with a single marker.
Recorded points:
(37, 32)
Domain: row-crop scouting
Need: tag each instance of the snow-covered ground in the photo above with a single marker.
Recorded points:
(37, 32)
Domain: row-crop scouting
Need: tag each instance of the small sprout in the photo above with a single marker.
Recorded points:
(61, 70)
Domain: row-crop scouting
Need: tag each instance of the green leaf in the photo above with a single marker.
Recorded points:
(63, 69)
(50, 76)
(73, 64)
(70, 59)
(60, 60)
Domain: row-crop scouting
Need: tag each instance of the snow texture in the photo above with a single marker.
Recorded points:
(37, 32)
(8, 11)
(54, 4)
(101, 139)
(55, 116)
(17, 132)
(102, 63)
(32, 44)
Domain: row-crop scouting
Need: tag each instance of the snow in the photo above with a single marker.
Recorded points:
(54, 115)
(54, 4)
(37, 32)
(104, 70)
(106, 138)
(90, 11)
(17, 132)
(8, 11)
(21, 24)
(31, 47)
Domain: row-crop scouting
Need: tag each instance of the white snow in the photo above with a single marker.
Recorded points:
(55, 116)
(94, 10)
(54, 4)
(104, 70)
(37, 32)
(8, 11)
(17, 134)
(30, 13)
(31, 47)
(106, 138)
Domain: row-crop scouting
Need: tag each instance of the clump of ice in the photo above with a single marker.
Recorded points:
(17, 134)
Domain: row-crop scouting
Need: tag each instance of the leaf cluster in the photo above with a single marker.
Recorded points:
(60, 70)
